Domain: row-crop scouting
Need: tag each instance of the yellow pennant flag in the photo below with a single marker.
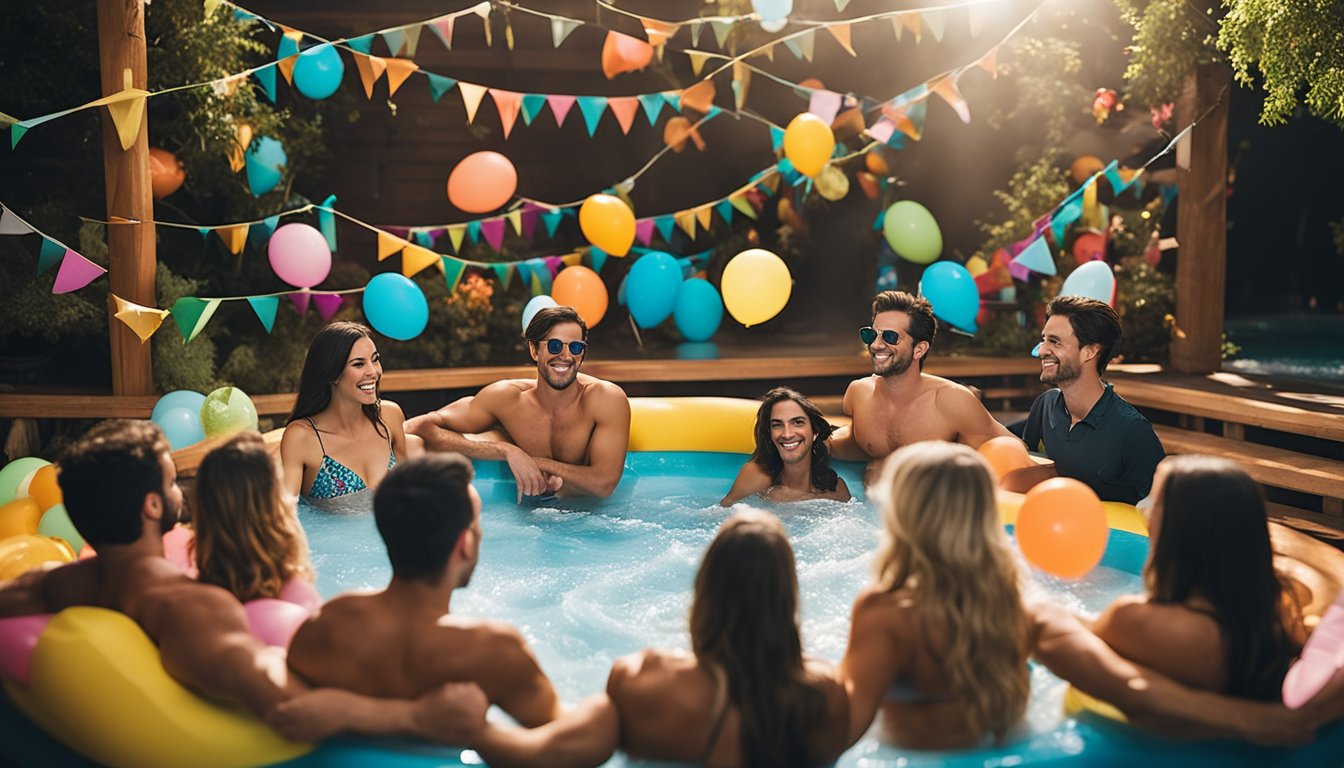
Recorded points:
(741, 82)
(127, 108)
(471, 97)
(144, 321)
(397, 72)
(415, 258)
(841, 34)
(242, 138)
(455, 234)
(686, 220)
(1091, 210)
(702, 215)
(572, 259)
(234, 237)
(516, 219)
(370, 69)
(389, 244)
(911, 22)
(741, 203)
(697, 61)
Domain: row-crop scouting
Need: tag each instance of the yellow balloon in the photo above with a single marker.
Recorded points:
(756, 285)
(20, 554)
(608, 223)
(808, 143)
(19, 516)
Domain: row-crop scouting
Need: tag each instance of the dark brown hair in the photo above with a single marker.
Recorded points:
(767, 454)
(923, 326)
(1093, 322)
(106, 476)
(326, 358)
(421, 508)
(547, 318)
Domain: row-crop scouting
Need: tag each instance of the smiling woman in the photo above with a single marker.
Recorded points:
(791, 460)
(341, 437)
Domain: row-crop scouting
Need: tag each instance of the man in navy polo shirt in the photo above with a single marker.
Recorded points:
(1083, 426)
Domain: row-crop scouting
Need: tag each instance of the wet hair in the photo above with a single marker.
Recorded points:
(107, 474)
(1093, 322)
(421, 508)
(547, 318)
(923, 327)
(767, 453)
(248, 538)
(1213, 542)
(327, 355)
(744, 624)
(942, 537)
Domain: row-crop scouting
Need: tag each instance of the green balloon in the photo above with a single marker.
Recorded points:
(56, 522)
(227, 410)
(912, 232)
(14, 473)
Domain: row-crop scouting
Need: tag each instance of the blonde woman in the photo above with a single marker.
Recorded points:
(248, 538)
(939, 642)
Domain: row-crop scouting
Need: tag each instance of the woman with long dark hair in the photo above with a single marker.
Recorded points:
(341, 437)
(1217, 615)
(744, 696)
(792, 460)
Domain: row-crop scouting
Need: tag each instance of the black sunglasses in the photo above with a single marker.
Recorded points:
(868, 335)
(576, 348)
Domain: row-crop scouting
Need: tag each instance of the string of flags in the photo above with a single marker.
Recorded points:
(75, 271)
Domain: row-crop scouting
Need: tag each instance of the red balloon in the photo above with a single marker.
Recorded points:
(1089, 246)
(482, 182)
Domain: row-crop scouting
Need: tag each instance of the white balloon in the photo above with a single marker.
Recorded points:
(535, 305)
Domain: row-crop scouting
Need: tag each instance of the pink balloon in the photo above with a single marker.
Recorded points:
(177, 548)
(299, 255)
(482, 182)
(274, 622)
(18, 637)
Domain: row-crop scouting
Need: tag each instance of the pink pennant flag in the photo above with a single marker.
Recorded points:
(529, 222)
(493, 231)
(328, 304)
(644, 230)
(560, 104)
(624, 108)
(442, 27)
(300, 299)
(508, 104)
(76, 272)
(1019, 272)
(947, 89)
(882, 130)
(553, 263)
(825, 104)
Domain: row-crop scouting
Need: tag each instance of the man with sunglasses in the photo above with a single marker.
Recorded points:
(563, 432)
(900, 404)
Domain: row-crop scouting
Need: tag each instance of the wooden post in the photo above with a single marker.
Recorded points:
(121, 54)
(1201, 229)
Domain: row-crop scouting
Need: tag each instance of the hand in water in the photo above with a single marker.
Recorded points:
(529, 477)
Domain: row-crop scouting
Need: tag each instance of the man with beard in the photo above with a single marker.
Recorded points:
(402, 642)
(1083, 426)
(900, 404)
(564, 431)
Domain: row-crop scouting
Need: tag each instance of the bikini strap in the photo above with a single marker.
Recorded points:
(319, 437)
(720, 713)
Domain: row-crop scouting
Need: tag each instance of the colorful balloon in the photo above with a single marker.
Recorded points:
(699, 310)
(1085, 167)
(581, 288)
(228, 410)
(808, 143)
(43, 488)
(182, 426)
(482, 182)
(1089, 246)
(20, 554)
(1061, 528)
(318, 71)
(178, 398)
(912, 232)
(56, 523)
(1094, 280)
(395, 306)
(265, 161)
(299, 255)
(953, 293)
(166, 173)
(19, 517)
(1005, 454)
(608, 223)
(15, 472)
(535, 305)
(652, 287)
(756, 285)
(832, 183)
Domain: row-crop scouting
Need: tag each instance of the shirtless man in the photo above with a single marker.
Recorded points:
(402, 642)
(565, 431)
(792, 461)
(120, 489)
(900, 404)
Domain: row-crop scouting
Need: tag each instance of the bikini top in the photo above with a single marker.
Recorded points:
(334, 478)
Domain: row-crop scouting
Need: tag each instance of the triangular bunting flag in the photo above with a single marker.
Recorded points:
(644, 230)
(840, 5)
(976, 17)
(704, 215)
(452, 272)
(286, 67)
(1066, 215)
(415, 258)
(776, 138)
(397, 72)
(825, 104)
(525, 270)
(266, 76)
(652, 104)
(794, 47)
(1037, 257)
(503, 272)
(442, 28)
(741, 82)
(529, 216)
(721, 29)
(455, 235)
(699, 97)
(370, 69)
(328, 304)
(598, 258)
(990, 62)
(50, 255)
(300, 300)
(741, 203)
(841, 33)
(363, 43)
(911, 22)
(192, 314)
(946, 87)
(234, 237)
(664, 225)
(725, 209)
(438, 84)
(143, 321)
(686, 220)
(542, 280)
(882, 130)
(624, 108)
(698, 59)
(592, 108)
(696, 28)
(474, 231)
(1091, 209)
(560, 104)
(531, 106)
(471, 98)
(395, 39)
(493, 232)
(572, 259)
(807, 43)
(507, 103)
(560, 29)
(935, 21)
(412, 44)
(515, 218)
(551, 218)
(388, 245)
(423, 238)
(128, 112)
(16, 132)
(265, 307)
(11, 224)
(326, 222)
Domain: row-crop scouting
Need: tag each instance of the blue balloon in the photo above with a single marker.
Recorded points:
(770, 10)
(953, 293)
(395, 306)
(886, 278)
(535, 305)
(266, 160)
(178, 398)
(1095, 280)
(651, 288)
(699, 310)
(698, 350)
(182, 426)
(318, 72)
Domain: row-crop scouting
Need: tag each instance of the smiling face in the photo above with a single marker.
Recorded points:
(561, 369)
(1061, 356)
(360, 376)
(888, 359)
(791, 432)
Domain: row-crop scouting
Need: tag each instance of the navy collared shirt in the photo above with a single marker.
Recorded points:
(1114, 449)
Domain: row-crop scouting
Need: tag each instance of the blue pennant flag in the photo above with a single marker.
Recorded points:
(363, 43)
(653, 105)
(725, 209)
(531, 106)
(665, 226)
(592, 108)
(598, 258)
(438, 84)
(776, 138)
(552, 219)
(474, 231)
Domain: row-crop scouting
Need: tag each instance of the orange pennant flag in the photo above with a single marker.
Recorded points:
(572, 259)
(471, 98)
(624, 108)
(659, 31)
(389, 244)
(286, 67)
(370, 69)
(234, 237)
(990, 62)
(911, 22)
(702, 215)
(841, 34)
(397, 72)
(686, 220)
(699, 97)
(415, 258)
(507, 103)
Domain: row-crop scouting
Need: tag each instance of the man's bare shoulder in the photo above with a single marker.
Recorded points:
(948, 392)
(861, 387)
(600, 389)
(505, 390)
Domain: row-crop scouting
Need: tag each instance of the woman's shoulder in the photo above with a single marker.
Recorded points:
(390, 408)
(299, 433)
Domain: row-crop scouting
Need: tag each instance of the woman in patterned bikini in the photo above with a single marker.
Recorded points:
(342, 437)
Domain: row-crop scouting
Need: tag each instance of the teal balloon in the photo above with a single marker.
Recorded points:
(651, 288)
(953, 293)
(699, 310)
(178, 398)
(227, 410)
(535, 305)
(56, 522)
(395, 306)
(318, 72)
(698, 350)
(1095, 280)
(14, 473)
(182, 426)
(912, 232)
(772, 10)
(266, 160)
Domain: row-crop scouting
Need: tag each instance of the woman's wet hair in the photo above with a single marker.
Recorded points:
(744, 625)
(942, 538)
(766, 453)
(322, 366)
(1213, 543)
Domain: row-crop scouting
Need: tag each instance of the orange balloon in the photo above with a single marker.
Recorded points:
(43, 488)
(580, 287)
(808, 143)
(20, 554)
(1084, 167)
(868, 183)
(1005, 454)
(876, 164)
(165, 172)
(609, 224)
(623, 53)
(482, 182)
(19, 517)
(1061, 528)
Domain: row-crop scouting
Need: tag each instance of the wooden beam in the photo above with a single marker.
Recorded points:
(121, 54)
(1201, 227)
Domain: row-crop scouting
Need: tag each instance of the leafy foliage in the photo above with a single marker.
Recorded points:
(1290, 46)
(1171, 38)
